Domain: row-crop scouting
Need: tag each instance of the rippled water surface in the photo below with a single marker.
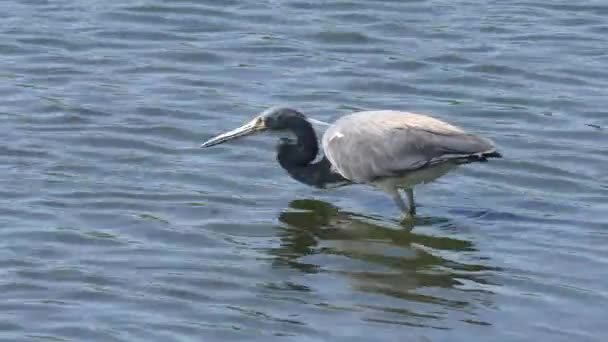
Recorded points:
(116, 226)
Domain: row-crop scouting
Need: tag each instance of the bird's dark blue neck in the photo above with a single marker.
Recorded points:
(297, 157)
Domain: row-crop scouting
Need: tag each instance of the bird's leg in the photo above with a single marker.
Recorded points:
(410, 200)
(399, 201)
(407, 218)
(407, 212)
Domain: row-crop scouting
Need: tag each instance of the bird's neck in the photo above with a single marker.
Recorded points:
(297, 158)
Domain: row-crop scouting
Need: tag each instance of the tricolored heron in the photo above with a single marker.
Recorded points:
(388, 149)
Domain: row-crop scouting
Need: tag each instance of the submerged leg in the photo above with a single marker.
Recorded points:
(393, 191)
(399, 201)
(407, 217)
(410, 200)
(390, 189)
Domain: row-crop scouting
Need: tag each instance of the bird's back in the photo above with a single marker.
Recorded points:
(368, 145)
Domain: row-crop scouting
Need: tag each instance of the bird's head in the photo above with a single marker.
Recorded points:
(274, 119)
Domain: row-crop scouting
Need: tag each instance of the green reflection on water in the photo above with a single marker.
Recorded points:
(386, 259)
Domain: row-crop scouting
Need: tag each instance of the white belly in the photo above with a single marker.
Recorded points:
(410, 179)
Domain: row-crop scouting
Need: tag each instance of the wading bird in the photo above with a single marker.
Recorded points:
(390, 150)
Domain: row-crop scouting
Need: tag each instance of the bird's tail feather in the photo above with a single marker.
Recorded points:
(493, 154)
(481, 157)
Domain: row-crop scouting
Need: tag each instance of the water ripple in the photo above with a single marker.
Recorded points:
(116, 226)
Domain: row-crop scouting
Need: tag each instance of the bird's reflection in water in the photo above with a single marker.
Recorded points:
(381, 258)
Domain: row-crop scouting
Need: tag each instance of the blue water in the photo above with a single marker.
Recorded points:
(116, 226)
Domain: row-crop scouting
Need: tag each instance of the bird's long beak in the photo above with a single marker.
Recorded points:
(254, 126)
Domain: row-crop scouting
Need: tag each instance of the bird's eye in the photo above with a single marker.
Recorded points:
(260, 122)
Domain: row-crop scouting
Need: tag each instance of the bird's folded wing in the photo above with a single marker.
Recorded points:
(367, 146)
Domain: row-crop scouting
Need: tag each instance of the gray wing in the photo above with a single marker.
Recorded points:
(367, 145)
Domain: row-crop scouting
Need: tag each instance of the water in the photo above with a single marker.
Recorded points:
(115, 226)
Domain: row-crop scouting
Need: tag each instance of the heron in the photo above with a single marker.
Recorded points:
(390, 150)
